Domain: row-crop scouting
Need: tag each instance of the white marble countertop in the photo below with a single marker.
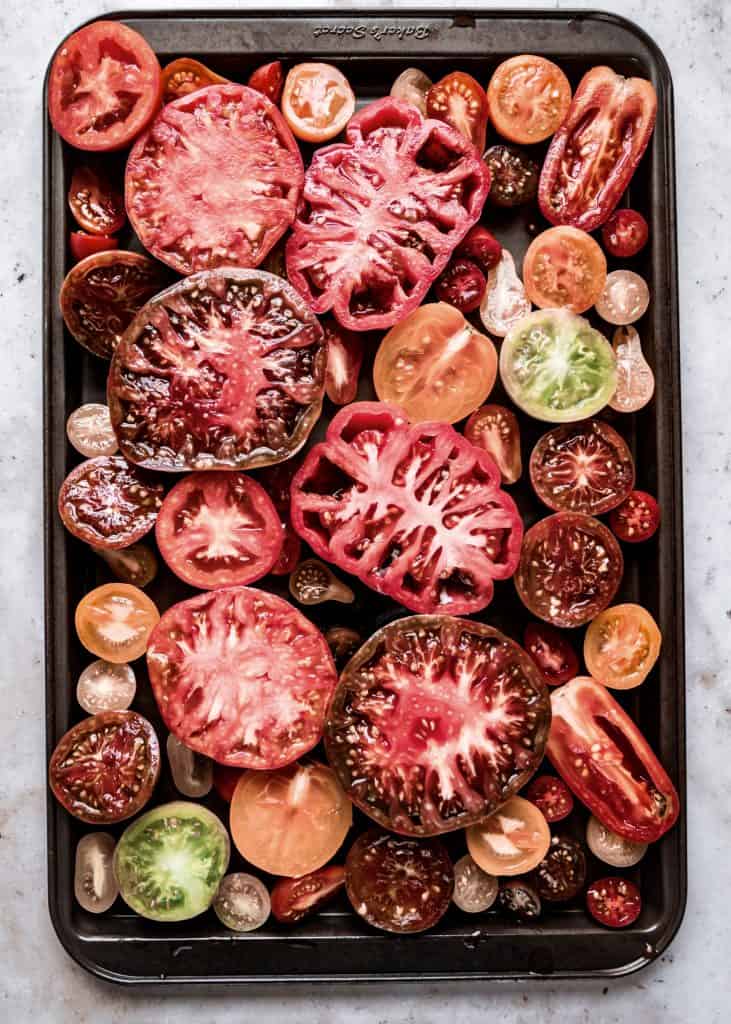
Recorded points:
(38, 982)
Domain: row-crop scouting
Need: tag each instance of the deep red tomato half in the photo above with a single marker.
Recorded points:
(551, 796)
(552, 653)
(414, 511)
(381, 215)
(614, 902)
(603, 757)
(637, 518)
(83, 245)
(595, 152)
(295, 898)
(460, 100)
(625, 233)
(269, 80)
(104, 86)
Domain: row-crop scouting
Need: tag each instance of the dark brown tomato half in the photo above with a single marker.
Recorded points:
(105, 768)
(225, 370)
(397, 884)
(241, 676)
(570, 569)
(102, 293)
(94, 201)
(295, 898)
(582, 467)
(435, 722)
(562, 873)
(107, 503)
(514, 178)
(552, 797)
(552, 653)
(215, 181)
(218, 530)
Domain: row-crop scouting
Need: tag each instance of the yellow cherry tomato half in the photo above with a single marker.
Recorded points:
(317, 102)
(564, 266)
(621, 646)
(115, 621)
(513, 840)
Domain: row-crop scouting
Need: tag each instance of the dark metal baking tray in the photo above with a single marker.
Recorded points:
(336, 945)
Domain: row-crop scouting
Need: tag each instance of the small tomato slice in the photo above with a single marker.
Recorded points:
(83, 245)
(528, 98)
(480, 246)
(462, 285)
(96, 204)
(512, 841)
(269, 80)
(115, 621)
(551, 652)
(551, 796)
(435, 365)
(514, 176)
(562, 873)
(460, 101)
(637, 518)
(95, 886)
(519, 899)
(344, 359)
(242, 902)
(317, 101)
(621, 646)
(104, 686)
(89, 429)
(496, 429)
(614, 902)
(474, 890)
(295, 898)
(185, 75)
(625, 233)
(564, 267)
(624, 298)
(614, 850)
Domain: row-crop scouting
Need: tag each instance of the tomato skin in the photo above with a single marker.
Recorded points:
(269, 80)
(295, 898)
(625, 233)
(481, 246)
(636, 519)
(580, 184)
(460, 100)
(608, 764)
(462, 285)
(552, 653)
(95, 202)
(614, 902)
(185, 75)
(83, 245)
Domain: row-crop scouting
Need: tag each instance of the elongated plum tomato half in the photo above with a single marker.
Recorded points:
(552, 653)
(556, 367)
(416, 512)
(462, 285)
(564, 267)
(295, 898)
(625, 233)
(115, 621)
(614, 902)
(460, 101)
(290, 821)
(570, 569)
(317, 101)
(603, 757)
(185, 75)
(621, 646)
(435, 722)
(105, 768)
(496, 429)
(582, 467)
(224, 370)
(241, 676)
(216, 180)
(104, 86)
(637, 518)
(397, 884)
(96, 204)
(269, 80)
(528, 98)
(596, 150)
(95, 886)
(551, 796)
(511, 841)
(435, 365)
(421, 182)
(344, 359)
(170, 862)
(218, 530)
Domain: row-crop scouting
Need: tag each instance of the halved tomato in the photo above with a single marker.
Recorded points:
(614, 902)
(89, 430)
(414, 511)
(412, 86)
(435, 365)
(505, 303)
(561, 875)
(514, 176)
(635, 379)
(241, 676)
(344, 358)
(551, 796)
(625, 233)
(103, 87)
(218, 529)
(621, 646)
(185, 75)
(552, 653)
(460, 101)
(564, 267)
(295, 898)
(96, 204)
(224, 370)
(317, 101)
(496, 429)
(528, 98)
(381, 215)
(462, 285)
(83, 245)
(637, 518)
(435, 722)
(115, 621)
(512, 841)
(269, 80)
(216, 180)
(481, 247)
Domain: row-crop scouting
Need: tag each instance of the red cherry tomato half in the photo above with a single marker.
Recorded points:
(295, 898)
(269, 80)
(460, 101)
(462, 285)
(317, 101)
(614, 902)
(637, 518)
(551, 796)
(83, 245)
(625, 233)
(224, 780)
(344, 358)
(552, 653)
(480, 246)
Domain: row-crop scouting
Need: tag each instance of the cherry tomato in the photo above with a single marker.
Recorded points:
(295, 898)
(624, 298)
(625, 233)
(504, 303)
(611, 848)
(474, 890)
(89, 429)
(614, 902)
(462, 285)
(514, 176)
(621, 646)
(551, 652)
(480, 246)
(95, 886)
(96, 204)
(225, 779)
(344, 358)
(313, 582)
(435, 365)
(317, 101)
(412, 86)
(512, 841)
(635, 379)
(519, 899)
(185, 75)
(562, 873)
(115, 621)
(460, 101)
(637, 518)
(135, 564)
(104, 686)
(269, 80)
(551, 796)
(564, 267)
(528, 98)
(83, 245)
(242, 902)
(496, 429)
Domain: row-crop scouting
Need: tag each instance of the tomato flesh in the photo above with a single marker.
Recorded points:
(344, 359)
(512, 840)
(480, 246)
(115, 621)
(528, 98)
(95, 202)
(295, 898)
(317, 101)
(635, 379)
(551, 796)
(564, 267)
(621, 646)
(514, 176)
(462, 285)
(505, 303)
(562, 873)
(460, 101)
(269, 80)
(496, 429)
(625, 233)
(185, 75)
(614, 902)
(551, 652)
(637, 518)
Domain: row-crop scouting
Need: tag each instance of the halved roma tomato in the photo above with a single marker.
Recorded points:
(435, 722)
(552, 653)
(595, 152)
(512, 841)
(621, 646)
(496, 429)
(317, 101)
(637, 518)
(435, 365)
(241, 676)
(218, 530)
(269, 80)
(185, 75)
(380, 218)
(344, 358)
(224, 370)
(414, 511)
(460, 101)
(96, 204)
(564, 267)
(604, 758)
(103, 87)
(528, 98)
(216, 180)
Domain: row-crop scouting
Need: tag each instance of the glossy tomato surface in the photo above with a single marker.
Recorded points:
(414, 511)
(595, 152)
(496, 429)
(383, 176)
(621, 646)
(462, 285)
(103, 87)
(625, 233)
(269, 80)
(216, 180)
(219, 529)
(614, 902)
(460, 100)
(344, 359)
(505, 302)
(552, 653)
(295, 898)
(551, 796)
(604, 758)
(637, 518)
(561, 874)
(564, 267)
(94, 201)
(528, 98)
(185, 75)
(83, 245)
(514, 176)
(635, 379)
(225, 370)
(317, 101)
(435, 722)
(241, 676)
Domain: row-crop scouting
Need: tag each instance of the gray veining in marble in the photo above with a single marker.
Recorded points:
(690, 984)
